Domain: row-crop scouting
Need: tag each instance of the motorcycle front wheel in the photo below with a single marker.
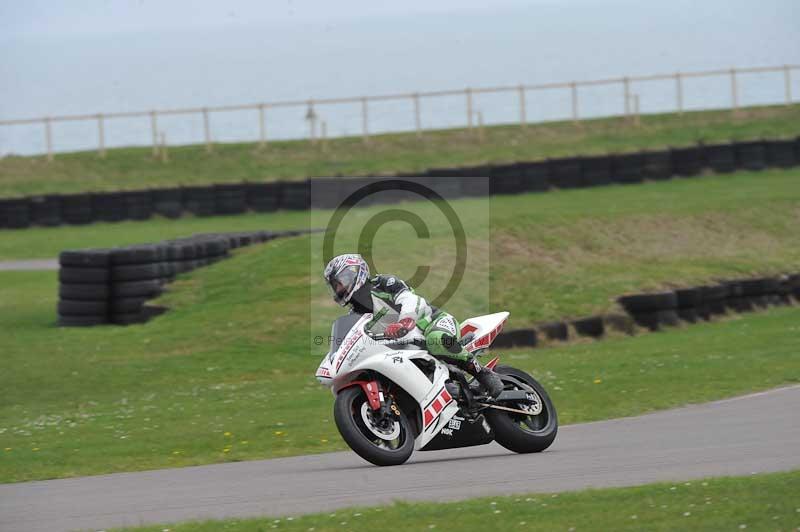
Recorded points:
(520, 433)
(381, 441)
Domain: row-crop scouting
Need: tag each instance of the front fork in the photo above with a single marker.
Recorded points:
(379, 401)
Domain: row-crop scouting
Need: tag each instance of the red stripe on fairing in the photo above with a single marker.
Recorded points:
(486, 340)
(437, 406)
(493, 362)
(468, 328)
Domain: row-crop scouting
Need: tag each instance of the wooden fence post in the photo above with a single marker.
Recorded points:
(311, 116)
(262, 128)
(787, 81)
(364, 120)
(734, 92)
(679, 92)
(626, 85)
(468, 93)
(154, 129)
(324, 134)
(207, 129)
(523, 115)
(48, 138)
(101, 134)
(417, 118)
(481, 133)
(574, 90)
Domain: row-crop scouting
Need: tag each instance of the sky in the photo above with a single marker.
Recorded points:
(61, 17)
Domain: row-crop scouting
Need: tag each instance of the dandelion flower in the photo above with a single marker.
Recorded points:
(598, 381)
(278, 433)
(228, 434)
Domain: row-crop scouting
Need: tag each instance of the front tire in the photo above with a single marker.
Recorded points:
(386, 445)
(519, 433)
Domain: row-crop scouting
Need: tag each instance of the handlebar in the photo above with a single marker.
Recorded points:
(408, 339)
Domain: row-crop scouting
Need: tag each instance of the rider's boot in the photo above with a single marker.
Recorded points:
(487, 377)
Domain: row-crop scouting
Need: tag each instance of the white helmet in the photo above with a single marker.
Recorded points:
(345, 274)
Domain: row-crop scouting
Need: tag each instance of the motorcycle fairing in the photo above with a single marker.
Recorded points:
(485, 328)
(461, 432)
(358, 353)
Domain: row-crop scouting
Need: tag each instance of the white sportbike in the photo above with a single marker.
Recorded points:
(393, 397)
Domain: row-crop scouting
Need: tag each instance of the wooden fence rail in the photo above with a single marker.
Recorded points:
(629, 100)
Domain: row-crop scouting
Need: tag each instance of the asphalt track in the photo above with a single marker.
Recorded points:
(750, 434)
(28, 265)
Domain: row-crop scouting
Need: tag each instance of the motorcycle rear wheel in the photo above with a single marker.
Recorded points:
(519, 433)
(383, 446)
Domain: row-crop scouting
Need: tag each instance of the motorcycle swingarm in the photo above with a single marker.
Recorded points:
(505, 408)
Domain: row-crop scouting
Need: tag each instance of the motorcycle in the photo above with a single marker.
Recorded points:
(392, 397)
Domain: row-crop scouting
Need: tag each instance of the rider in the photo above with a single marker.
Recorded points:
(395, 306)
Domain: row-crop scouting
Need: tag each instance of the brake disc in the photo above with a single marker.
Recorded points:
(388, 433)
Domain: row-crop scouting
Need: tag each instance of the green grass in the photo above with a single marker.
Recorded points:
(225, 377)
(227, 373)
(135, 168)
(758, 502)
(47, 242)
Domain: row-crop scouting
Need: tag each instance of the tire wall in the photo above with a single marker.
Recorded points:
(659, 310)
(100, 286)
(511, 178)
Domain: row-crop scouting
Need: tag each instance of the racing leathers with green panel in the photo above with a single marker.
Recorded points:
(397, 310)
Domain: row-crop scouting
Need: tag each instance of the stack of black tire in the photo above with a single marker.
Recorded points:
(83, 289)
(693, 304)
(652, 310)
(657, 310)
(113, 285)
(15, 213)
(138, 273)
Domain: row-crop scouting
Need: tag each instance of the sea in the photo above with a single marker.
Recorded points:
(554, 41)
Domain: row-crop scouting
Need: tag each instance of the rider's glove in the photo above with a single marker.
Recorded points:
(400, 329)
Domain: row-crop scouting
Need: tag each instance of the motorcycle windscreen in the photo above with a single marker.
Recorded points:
(339, 330)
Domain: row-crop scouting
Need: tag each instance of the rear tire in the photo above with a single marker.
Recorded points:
(518, 433)
(348, 413)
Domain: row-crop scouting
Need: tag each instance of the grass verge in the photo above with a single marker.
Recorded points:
(758, 502)
(135, 168)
